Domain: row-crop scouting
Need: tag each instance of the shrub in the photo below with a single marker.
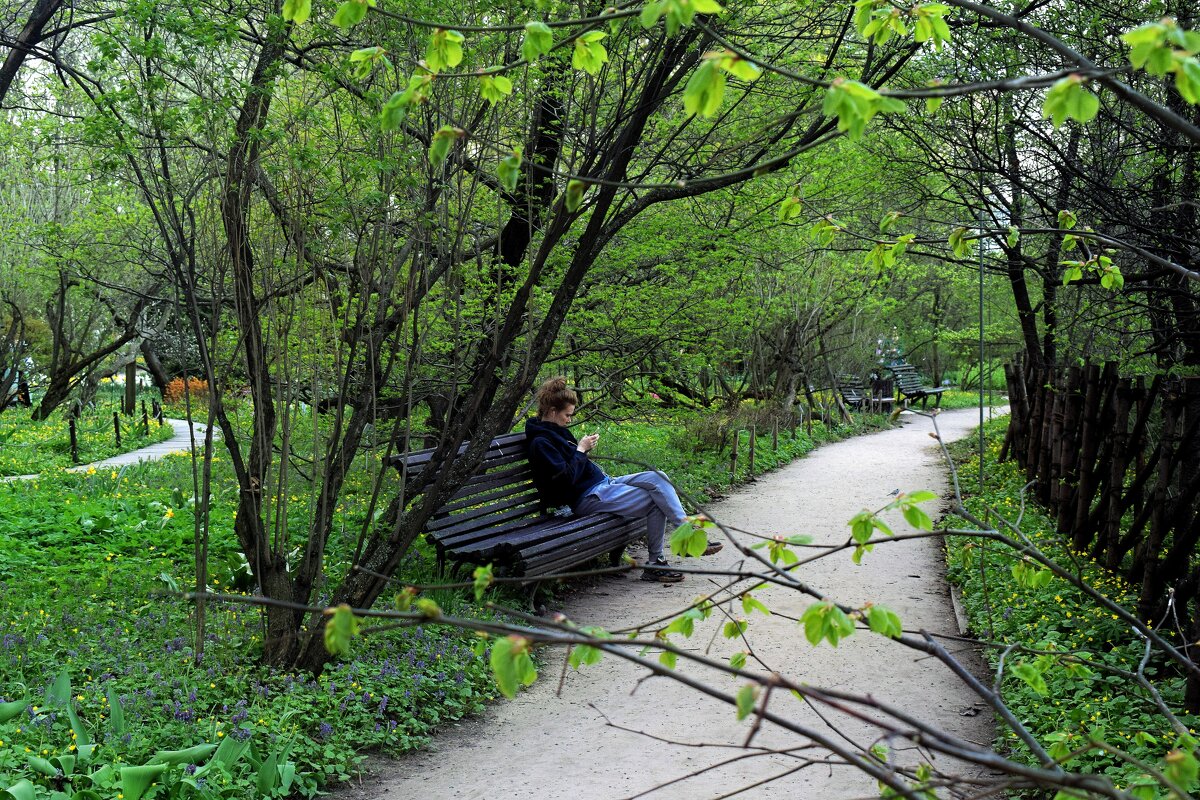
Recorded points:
(177, 389)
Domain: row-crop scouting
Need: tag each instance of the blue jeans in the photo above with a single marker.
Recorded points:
(642, 494)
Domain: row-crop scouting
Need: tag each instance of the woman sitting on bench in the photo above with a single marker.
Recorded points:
(565, 475)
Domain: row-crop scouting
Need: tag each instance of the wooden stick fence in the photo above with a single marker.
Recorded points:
(1117, 462)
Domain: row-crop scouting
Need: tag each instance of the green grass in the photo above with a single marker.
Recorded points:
(1061, 637)
(28, 447)
(956, 398)
(88, 566)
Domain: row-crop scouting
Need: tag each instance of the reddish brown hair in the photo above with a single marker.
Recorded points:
(554, 395)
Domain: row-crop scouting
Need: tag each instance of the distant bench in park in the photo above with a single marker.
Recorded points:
(496, 518)
(910, 386)
(873, 395)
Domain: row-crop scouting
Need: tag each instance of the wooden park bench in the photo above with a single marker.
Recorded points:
(909, 386)
(856, 394)
(497, 518)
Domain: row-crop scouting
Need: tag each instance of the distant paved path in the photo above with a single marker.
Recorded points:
(547, 747)
(181, 440)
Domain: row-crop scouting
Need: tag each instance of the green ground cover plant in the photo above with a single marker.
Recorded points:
(958, 398)
(103, 692)
(28, 447)
(1069, 665)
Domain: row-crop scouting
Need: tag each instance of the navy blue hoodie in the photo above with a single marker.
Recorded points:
(561, 473)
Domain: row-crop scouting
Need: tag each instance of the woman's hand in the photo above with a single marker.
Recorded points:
(587, 442)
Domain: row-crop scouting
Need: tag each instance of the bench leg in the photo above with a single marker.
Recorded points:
(614, 556)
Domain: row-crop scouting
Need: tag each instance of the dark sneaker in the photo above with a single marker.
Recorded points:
(660, 572)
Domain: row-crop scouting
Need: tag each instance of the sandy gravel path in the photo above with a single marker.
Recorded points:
(608, 736)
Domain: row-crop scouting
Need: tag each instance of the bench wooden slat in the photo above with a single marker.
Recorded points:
(491, 480)
(499, 447)
(517, 533)
(485, 516)
(585, 550)
(499, 491)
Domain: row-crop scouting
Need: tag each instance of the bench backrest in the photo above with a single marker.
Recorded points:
(499, 495)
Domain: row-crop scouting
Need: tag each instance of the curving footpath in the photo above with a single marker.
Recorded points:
(613, 733)
(181, 440)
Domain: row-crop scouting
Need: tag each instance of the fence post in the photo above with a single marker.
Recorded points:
(74, 440)
(129, 405)
(753, 436)
(145, 419)
(117, 427)
(737, 434)
(774, 435)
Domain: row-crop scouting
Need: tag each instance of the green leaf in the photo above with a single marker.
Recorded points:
(584, 654)
(1181, 767)
(1187, 79)
(1112, 278)
(739, 67)
(738, 660)
(42, 766)
(404, 598)
(685, 623)
(861, 526)
(12, 708)
(1069, 99)
(392, 115)
(1031, 675)
(824, 620)
(932, 104)
(511, 665)
(340, 629)
(960, 243)
(136, 780)
(589, 55)
(916, 517)
(443, 140)
(495, 88)
(268, 775)
(428, 607)
(746, 698)
(734, 628)
(705, 90)
(750, 604)
(576, 189)
(884, 621)
(509, 171)
(707, 6)
(350, 13)
(482, 580)
(790, 208)
(197, 754)
(1014, 236)
(539, 39)
(667, 658)
(688, 540)
(444, 50)
(889, 219)
(59, 692)
(297, 11)
(652, 13)
(22, 790)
